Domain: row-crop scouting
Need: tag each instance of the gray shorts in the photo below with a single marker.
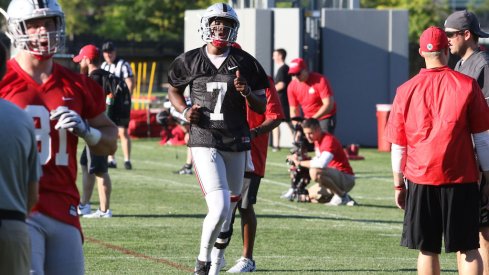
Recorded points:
(56, 247)
(15, 247)
(342, 180)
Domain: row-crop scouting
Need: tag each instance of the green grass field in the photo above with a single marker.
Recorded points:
(158, 217)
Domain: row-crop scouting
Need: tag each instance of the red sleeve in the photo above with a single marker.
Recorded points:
(324, 88)
(395, 130)
(291, 94)
(274, 108)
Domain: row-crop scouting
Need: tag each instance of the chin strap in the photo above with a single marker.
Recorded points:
(220, 43)
(43, 57)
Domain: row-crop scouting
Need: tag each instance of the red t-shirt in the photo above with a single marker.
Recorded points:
(330, 143)
(58, 193)
(434, 115)
(259, 145)
(309, 94)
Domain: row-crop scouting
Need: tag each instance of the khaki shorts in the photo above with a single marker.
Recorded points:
(15, 247)
(342, 180)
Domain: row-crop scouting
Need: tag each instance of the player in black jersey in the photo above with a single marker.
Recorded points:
(222, 80)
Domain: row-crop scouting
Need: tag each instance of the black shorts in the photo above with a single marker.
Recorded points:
(98, 164)
(484, 213)
(328, 124)
(252, 192)
(447, 212)
(124, 123)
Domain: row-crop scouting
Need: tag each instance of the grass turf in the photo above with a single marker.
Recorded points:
(158, 216)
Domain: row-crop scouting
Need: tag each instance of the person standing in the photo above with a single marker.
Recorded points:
(463, 32)
(222, 81)
(94, 167)
(64, 106)
(20, 171)
(282, 80)
(120, 68)
(433, 119)
(260, 125)
(311, 92)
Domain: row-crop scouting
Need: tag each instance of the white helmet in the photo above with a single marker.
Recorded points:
(20, 11)
(219, 10)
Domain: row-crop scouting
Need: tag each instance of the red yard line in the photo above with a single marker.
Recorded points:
(139, 255)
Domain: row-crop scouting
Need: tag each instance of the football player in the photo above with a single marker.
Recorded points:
(64, 106)
(222, 81)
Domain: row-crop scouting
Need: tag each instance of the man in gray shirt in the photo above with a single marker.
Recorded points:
(463, 32)
(20, 170)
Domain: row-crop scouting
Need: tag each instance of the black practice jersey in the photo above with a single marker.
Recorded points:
(223, 122)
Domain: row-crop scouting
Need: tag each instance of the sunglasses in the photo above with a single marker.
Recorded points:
(297, 74)
(452, 34)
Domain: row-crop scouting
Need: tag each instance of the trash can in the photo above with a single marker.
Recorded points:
(383, 111)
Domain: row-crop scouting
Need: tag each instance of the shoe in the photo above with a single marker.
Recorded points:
(289, 195)
(99, 214)
(217, 266)
(202, 268)
(84, 209)
(127, 165)
(243, 265)
(112, 164)
(186, 170)
(275, 149)
(345, 200)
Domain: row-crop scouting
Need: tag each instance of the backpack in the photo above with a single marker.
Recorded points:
(118, 96)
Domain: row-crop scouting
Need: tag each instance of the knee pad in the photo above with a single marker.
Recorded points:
(223, 239)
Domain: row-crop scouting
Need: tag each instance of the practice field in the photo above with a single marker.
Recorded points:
(158, 217)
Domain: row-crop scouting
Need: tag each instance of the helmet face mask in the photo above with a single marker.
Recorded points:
(37, 28)
(219, 25)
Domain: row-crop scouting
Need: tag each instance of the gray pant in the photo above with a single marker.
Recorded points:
(15, 248)
(56, 247)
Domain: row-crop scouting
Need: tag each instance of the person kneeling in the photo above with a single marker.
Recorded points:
(329, 167)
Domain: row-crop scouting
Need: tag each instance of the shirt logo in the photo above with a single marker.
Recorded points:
(311, 91)
(232, 68)
(66, 98)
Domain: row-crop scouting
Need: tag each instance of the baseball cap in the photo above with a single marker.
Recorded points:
(89, 51)
(433, 39)
(465, 20)
(108, 47)
(297, 65)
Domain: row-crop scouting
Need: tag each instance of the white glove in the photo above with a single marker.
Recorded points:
(71, 121)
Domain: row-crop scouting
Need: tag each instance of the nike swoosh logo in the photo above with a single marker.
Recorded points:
(66, 98)
(232, 68)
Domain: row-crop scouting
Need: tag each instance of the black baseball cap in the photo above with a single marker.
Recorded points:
(465, 20)
(108, 47)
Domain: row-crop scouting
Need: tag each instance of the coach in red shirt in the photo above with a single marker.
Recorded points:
(433, 119)
(312, 92)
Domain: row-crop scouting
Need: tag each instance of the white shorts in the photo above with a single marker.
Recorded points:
(219, 170)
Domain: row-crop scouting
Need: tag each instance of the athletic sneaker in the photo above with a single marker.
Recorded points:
(128, 165)
(112, 164)
(288, 195)
(186, 170)
(202, 268)
(217, 266)
(84, 209)
(345, 200)
(99, 214)
(243, 265)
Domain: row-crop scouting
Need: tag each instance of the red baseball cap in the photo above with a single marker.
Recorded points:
(433, 39)
(297, 65)
(89, 51)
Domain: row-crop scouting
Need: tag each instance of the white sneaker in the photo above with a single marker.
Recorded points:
(217, 266)
(345, 200)
(288, 195)
(84, 209)
(243, 265)
(99, 214)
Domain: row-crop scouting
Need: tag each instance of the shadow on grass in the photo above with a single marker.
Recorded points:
(352, 271)
(288, 217)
